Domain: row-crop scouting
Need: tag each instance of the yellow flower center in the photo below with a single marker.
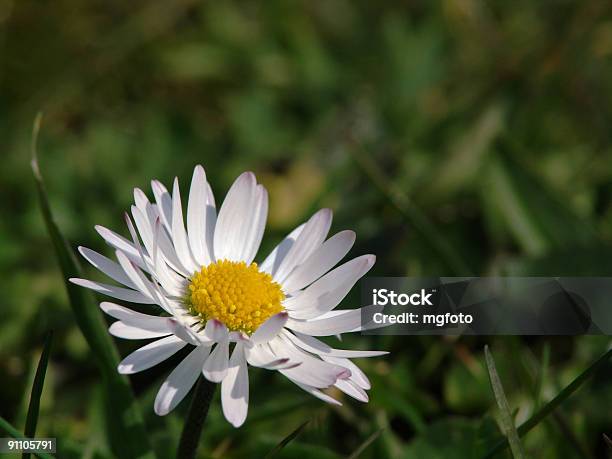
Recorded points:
(240, 296)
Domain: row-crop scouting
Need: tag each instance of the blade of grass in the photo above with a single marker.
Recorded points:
(13, 432)
(554, 403)
(608, 441)
(536, 374)
(285, 441)
(534, 215)
(37, 388)
(418, 220)
(507, 419)
(541, 376)
(569, 436)
(124, 420)
(365, 444)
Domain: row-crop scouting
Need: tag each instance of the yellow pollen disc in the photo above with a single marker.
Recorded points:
(240, 296)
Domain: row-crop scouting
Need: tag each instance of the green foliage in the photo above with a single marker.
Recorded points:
(37, 388)
(506, 418)
(123, 418)
(6, 427)
(455, 137)
(285, 441)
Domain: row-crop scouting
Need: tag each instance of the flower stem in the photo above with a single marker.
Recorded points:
(198, 410)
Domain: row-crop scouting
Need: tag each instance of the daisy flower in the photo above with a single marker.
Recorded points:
(206, 292)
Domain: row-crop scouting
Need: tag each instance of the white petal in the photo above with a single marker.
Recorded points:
(311, 371)
(162, 245)
(326, 293)
(133, 272)
(164, 203)
(197, 216)
(307, 242)
(237, 336)
(131, 268)
(270, 328)
(357, 376)
(315, 346)
(179, 235)
(256, 225)
(153, 288)
(140, 198)
(352, 389)
(273, 261)
(235, 388)
(121, 330)
(320, 261)
(233, 222)
(124, 294)
(340, 322)
(260, 356)
(215, 331)
(172, 282)
(180, 381)
(107, 266)
(317, 393)
(143, 224)
(135, 318)
(150, 355)
(215, 367)
(185, 332)
(119, 242)
(211, 197)
(211, 222)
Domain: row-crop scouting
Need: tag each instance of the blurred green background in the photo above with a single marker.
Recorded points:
(455, 137)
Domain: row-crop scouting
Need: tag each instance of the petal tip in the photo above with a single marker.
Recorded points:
(326, 212)
(123, 369)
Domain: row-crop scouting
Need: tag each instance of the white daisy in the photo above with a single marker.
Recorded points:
(213, 296)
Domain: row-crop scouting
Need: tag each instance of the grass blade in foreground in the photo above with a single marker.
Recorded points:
(554, 403)
(285, 441)
(365, 444)
(13, 432)
(37, 387)
(124, 420)
(506, 415)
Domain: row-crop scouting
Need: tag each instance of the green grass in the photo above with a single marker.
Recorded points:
(455, 138)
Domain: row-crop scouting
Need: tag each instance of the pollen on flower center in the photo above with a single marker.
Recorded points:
(240, 296)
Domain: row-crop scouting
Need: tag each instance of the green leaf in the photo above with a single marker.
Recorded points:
(554, 403)
(593, 260)
(466, 389)
(418, 220)
(371, 439)
(456, 437)
(535, 217)
(461, 166)
(507, 419)
(123, 419)
(285, 441)
(608, 441)
(37, 387)
(13, 432)
(541, 376)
